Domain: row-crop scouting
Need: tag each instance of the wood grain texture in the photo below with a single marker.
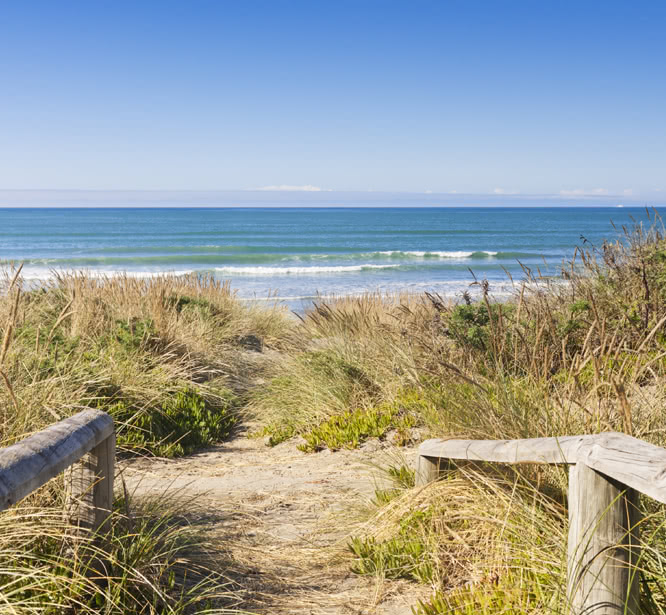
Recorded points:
(562, 449)
(602, 546)
(633, 462)
(105, 468)
(89, 485)
(27, 465)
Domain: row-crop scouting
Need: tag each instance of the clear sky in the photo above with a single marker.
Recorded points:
(536, 97)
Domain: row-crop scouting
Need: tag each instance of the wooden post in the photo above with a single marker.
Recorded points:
(105, 454)
(90, 488)
(428, 469)
(602, 549)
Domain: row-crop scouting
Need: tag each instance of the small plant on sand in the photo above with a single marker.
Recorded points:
(405, 556)
(350, 429)
(135, 334)
(184, 422)
(401, 476)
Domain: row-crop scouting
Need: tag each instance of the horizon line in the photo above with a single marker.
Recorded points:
(573, 194)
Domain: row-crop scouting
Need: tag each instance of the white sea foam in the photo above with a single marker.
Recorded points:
(42, 274)
(447, 289)
(263, 271)
(440, 254)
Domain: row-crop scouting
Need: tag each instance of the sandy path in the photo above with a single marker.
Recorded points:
(285, 517)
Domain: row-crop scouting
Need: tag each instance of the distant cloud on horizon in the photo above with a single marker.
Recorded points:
(585, 192)
(287, 188)
(504, 191)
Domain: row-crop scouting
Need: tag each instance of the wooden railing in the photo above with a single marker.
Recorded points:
(606, 472)
(88, 436)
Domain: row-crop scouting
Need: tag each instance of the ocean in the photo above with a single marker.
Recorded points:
(298, 254)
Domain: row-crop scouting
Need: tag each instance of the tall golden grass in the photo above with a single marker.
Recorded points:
(581, 353)
(161, 355)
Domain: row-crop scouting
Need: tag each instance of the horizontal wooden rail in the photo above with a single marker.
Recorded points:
(535, 450)
(633, 462)
(606, 473)
(30, 463)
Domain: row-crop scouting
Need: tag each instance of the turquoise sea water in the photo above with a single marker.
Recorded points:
(300, 253)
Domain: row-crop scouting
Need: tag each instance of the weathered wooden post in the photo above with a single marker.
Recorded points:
(90, 488)
(606, 473)
(427, 469)
(602, 548)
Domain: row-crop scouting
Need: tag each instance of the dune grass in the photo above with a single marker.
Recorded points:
(582, 353)
(152, 560)
(161, 356)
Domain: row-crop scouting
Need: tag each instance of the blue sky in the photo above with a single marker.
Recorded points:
(558, 98)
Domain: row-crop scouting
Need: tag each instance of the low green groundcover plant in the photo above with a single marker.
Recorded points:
(352, 428)
(405, 556)
(183, 423)
(513, 594)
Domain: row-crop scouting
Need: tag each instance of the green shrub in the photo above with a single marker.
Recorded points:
(194, 306)
(470, 324)
(183, 423)
(575, 319)
(135, 333)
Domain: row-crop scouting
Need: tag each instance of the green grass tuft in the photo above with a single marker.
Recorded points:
(405, 556)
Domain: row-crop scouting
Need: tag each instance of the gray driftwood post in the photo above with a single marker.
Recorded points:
(90, 486)
(602, 549)
(606, 473)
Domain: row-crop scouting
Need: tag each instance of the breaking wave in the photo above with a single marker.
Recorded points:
(313, 270)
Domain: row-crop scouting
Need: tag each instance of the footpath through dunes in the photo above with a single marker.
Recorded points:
(285, 518)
